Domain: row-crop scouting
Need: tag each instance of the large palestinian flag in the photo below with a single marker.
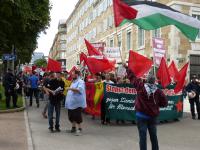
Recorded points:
(153, 15)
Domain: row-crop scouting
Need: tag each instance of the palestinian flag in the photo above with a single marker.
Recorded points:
(153, 15)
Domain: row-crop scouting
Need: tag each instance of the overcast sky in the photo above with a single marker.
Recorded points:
(61, 9)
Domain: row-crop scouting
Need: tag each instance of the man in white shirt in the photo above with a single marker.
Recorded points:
(107, 79)
(75, 102)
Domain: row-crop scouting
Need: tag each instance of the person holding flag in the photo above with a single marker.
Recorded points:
(148, 101)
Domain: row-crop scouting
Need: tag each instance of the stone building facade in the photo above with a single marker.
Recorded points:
(93, 20)
(58, 49)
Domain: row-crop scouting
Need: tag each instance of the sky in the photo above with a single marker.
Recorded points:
(61, 9)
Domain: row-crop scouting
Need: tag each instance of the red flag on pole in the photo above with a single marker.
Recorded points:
(173, 71)
(139, 64)
(122, 11)
(99, 64)
(83, 57)
(70, 72)
(163, 73)
(53, 65)
(181, 80)
(91, 49)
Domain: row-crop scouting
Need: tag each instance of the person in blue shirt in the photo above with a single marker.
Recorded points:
(34, 81)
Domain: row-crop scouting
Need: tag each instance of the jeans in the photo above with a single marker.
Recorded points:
(192, 102)
(51, 108)
(143, 125)
(46, 98)
(35, 92)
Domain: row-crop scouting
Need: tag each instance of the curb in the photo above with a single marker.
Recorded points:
(28, 130)
(15, 109)
(12, 110)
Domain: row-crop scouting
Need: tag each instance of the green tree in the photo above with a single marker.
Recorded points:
(21, 22)
(40, 62)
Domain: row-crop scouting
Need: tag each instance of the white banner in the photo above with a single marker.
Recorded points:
(112, 53)
(158, 50)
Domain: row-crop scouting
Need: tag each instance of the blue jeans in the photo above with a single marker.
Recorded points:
(143, 125)
(51, 108)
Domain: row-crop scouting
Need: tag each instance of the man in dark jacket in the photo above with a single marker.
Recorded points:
(149, 100)
(55, 89)
(9, 84)
(193, 89)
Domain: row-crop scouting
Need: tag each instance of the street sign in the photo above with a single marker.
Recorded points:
(9, 57)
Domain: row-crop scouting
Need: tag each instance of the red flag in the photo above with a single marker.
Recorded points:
(138, 63)
(91, 49)
(173, 71)
(34, 67)
(53, 65)
(163, 73)
(122, 11)
(97, 64)
(83, 57)
(181, 80)
(70, 72)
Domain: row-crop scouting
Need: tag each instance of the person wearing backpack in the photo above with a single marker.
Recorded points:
(148, 101)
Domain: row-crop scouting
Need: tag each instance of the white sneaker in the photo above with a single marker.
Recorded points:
(78, 133)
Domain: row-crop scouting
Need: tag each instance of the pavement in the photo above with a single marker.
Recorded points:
(179, 135)
(29, 131)
(13, 131)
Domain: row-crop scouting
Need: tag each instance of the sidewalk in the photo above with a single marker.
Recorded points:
(180, 135)
(13, 131)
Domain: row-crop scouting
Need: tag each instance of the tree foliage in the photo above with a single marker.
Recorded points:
(41, 62)
(21, 22)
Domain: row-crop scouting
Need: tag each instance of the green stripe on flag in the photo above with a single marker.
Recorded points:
(156, 21)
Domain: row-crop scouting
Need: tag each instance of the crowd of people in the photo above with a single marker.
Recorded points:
(68, 90)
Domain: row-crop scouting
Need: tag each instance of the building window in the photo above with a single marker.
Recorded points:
(111, 43)
(141, 37)
(156, 33)
(128, 40)
(198, 17)
(119, 40)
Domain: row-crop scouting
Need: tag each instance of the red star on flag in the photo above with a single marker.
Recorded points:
(179, 106)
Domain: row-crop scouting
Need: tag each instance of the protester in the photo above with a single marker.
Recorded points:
(26, 85)
(20, 83)
(105, 120)
(55, 89)
(34, 81)
(107, 79)
(193, 90)
(148, 101)
(67, 84)
(9, 83)
(46, 79)
(75, 102)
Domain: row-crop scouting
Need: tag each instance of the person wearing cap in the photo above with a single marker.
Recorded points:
(193, 90)
(9, 83)
(148, 101)
(75, 102)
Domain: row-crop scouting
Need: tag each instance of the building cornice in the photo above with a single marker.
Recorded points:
(183, 3)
